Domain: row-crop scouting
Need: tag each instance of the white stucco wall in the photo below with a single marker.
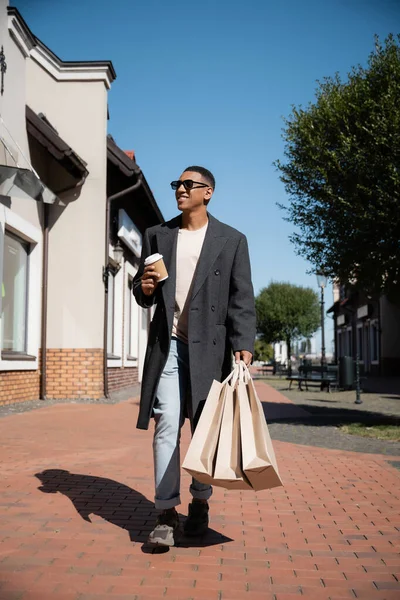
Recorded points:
(12, 110)
(78, 110)
(21, 217)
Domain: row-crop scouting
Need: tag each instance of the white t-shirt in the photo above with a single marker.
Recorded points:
(188, 250)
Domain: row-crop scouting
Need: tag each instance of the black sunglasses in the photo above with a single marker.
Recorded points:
(188, 184)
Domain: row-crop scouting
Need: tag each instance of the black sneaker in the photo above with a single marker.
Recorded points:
(166, 530)
(197, 520)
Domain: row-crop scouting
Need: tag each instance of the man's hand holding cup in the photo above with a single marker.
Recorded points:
(154, 272)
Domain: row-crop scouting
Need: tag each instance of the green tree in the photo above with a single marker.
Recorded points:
(287, 312)
(342, 173)
(262, 350)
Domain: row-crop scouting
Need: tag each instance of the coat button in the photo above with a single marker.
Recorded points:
(216, 272)
(213, 308)
(215, 342)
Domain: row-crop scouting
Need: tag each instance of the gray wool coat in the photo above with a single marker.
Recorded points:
(221, 317)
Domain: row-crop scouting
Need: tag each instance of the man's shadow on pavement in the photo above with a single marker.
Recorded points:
(116, 503)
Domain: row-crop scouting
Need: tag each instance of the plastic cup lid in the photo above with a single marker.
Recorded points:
(152, 259)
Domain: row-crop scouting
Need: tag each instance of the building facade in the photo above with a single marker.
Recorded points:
(368, 328)
(56, 173)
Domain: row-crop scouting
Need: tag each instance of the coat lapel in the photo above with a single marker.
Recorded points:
(212, 247)
(166, 244)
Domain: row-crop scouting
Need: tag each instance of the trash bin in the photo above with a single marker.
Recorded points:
(346, 372)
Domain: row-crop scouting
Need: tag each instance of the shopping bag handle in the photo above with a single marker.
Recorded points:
(234, 375)
(244, 372)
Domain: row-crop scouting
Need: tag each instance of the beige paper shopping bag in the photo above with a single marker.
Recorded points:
(200, 457)
(258, 456)
(228, 464)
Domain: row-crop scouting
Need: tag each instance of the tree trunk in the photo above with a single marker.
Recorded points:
(289, 352)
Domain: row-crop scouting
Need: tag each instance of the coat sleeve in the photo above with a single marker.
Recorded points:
(241, 304)
(142, 299)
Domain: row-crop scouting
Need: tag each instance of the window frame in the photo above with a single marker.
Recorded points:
(361, 350)
(349, 341)
(28, 233)
(129, 360)
(7, 351)
(374, 324)
(114, 360)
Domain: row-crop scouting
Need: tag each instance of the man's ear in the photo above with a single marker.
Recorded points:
(207, 195)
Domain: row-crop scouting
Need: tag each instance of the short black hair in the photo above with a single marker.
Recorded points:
(208, 176)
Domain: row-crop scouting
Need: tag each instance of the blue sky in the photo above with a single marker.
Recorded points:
(208, 83)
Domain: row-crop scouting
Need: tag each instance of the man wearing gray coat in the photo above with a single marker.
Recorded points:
(204, 312)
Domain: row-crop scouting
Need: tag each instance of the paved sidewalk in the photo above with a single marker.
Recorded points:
(312, 417)
(76, 506)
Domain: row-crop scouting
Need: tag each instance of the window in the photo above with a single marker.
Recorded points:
(339, 343)
(14, 291)
(349, 345)
(132, 318)
(360, 342)
(145, 318)
(110, 315)
(374, 339)
(129, 307)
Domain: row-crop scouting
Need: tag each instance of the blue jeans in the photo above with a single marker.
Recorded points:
(169, 417)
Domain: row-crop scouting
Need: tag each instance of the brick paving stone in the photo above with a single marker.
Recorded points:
(77, 506)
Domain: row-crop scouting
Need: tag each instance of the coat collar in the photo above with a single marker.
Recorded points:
(213, 244)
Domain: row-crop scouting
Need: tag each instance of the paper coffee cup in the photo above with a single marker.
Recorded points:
(158, 261)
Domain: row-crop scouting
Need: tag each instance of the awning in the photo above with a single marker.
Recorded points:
(42, 130)
(24, 184)
(21, 182)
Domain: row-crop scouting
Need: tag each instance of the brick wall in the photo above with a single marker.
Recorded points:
(119, 378)
(75, 373)
(18, 386)
(71, 373)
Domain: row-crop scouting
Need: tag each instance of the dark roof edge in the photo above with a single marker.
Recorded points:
(48, 137)
(27, 34)
(35, 41)
(120, 159)
(130, 167)
(333, 307)
(152, 200)
(107, 64)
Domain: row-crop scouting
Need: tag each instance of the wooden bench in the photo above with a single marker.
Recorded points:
(326, 376)
(324, 381)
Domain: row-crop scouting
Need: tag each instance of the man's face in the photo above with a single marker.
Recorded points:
(197, 196)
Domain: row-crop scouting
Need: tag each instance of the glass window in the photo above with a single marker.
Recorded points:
(339, 343)
(360, 343)
(132, 316)
(14, 291)
(349, 342)
(145, 318)
(110, 315)
(374, 336)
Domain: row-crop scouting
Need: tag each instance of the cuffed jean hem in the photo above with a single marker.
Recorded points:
(165, 504)
(201, 495)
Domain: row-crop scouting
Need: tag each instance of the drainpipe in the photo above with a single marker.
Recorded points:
(105, 276)
(45, 277)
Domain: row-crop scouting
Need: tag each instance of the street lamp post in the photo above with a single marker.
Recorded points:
(322, 281)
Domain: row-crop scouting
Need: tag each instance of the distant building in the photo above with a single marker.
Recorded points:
(300, 348)
(367, 327)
